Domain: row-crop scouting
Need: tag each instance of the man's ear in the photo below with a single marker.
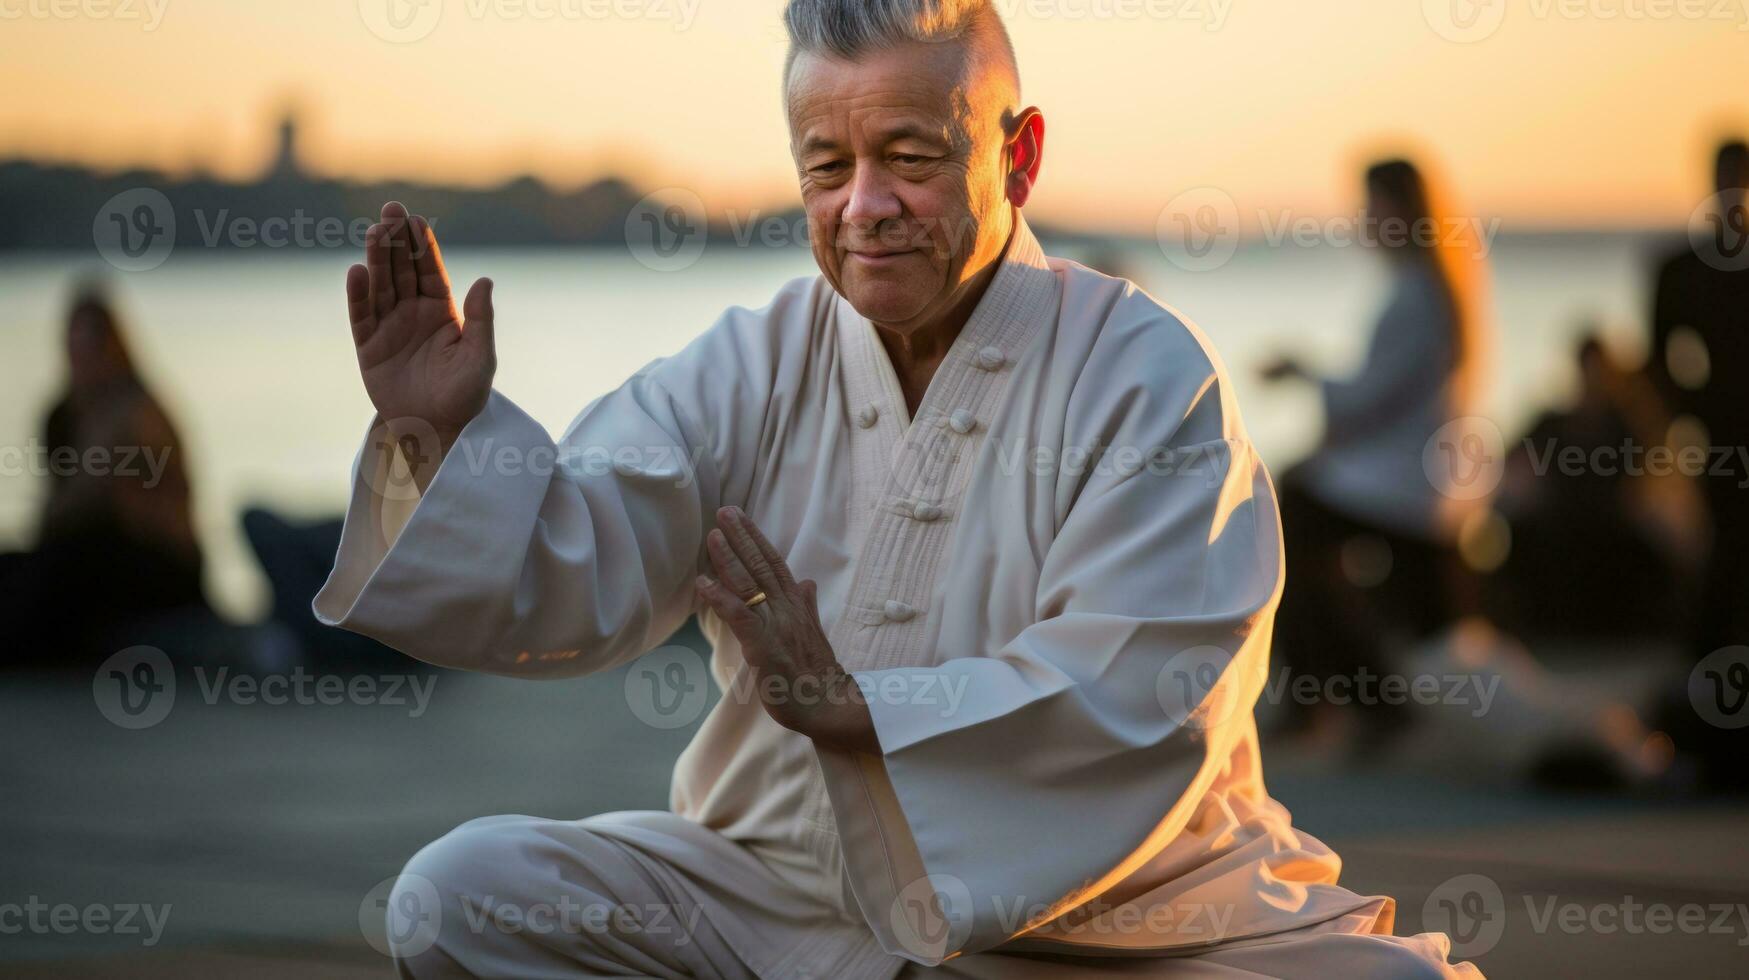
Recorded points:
(1026, 147)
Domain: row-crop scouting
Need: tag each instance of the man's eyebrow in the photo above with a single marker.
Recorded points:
(815, 144)
(915, 131)
(900, 131)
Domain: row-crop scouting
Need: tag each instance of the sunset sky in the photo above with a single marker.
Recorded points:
(1578, 112)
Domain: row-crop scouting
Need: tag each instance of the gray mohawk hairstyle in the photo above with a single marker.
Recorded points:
(851, 28)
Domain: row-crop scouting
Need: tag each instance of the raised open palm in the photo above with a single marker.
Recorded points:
(422, 363)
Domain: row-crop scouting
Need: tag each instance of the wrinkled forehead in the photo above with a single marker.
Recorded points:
(935, 87)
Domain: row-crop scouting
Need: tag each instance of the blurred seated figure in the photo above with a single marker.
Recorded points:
(115, 546)
(1370, 539)
(1601, 532)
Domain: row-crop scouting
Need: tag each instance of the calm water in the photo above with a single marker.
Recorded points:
(251, 355)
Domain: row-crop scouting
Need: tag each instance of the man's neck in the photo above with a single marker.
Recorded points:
(917, 353)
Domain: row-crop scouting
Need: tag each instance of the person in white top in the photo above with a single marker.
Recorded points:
(1372, 519)
(986, 560)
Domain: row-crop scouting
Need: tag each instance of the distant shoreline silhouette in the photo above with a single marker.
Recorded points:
(51, 206)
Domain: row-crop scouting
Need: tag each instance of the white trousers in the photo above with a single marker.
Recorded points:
(651, 894)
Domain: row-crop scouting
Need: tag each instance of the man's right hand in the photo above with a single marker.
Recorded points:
(427, 370)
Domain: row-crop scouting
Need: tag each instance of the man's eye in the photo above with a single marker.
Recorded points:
(824, 169)
(908, 159)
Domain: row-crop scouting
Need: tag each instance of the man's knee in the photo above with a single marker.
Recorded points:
(453, 893)
(502, 892)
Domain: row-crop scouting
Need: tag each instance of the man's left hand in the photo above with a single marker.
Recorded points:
(781, 637)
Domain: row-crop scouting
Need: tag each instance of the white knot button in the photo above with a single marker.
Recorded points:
(898, 612)
(868, 416)
(926, 512)
(962, 421)
(991, 358)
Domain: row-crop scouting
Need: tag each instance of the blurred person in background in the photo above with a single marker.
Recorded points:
(1371, 542)
(1608, 550)
(116, 548)
(1699, 357)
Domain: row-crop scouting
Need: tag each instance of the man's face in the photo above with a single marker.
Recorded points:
(902, 167)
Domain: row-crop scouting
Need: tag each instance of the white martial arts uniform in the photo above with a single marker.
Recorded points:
(1073, 534)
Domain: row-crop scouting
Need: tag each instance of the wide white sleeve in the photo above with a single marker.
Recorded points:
(1082, 745)
(531, 557)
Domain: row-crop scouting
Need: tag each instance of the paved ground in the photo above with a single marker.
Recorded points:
(263, 828)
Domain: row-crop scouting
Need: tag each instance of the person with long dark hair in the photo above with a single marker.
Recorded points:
(116, 546)
(1370, 535)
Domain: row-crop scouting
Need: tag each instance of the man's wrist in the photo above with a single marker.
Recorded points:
(854, 730)
(422, 447)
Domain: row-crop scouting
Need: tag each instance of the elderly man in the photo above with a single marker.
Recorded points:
(986, 560)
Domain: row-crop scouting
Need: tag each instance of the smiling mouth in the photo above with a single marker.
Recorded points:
(883, 254)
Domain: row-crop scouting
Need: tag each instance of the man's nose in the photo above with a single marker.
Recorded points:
(872, 200)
